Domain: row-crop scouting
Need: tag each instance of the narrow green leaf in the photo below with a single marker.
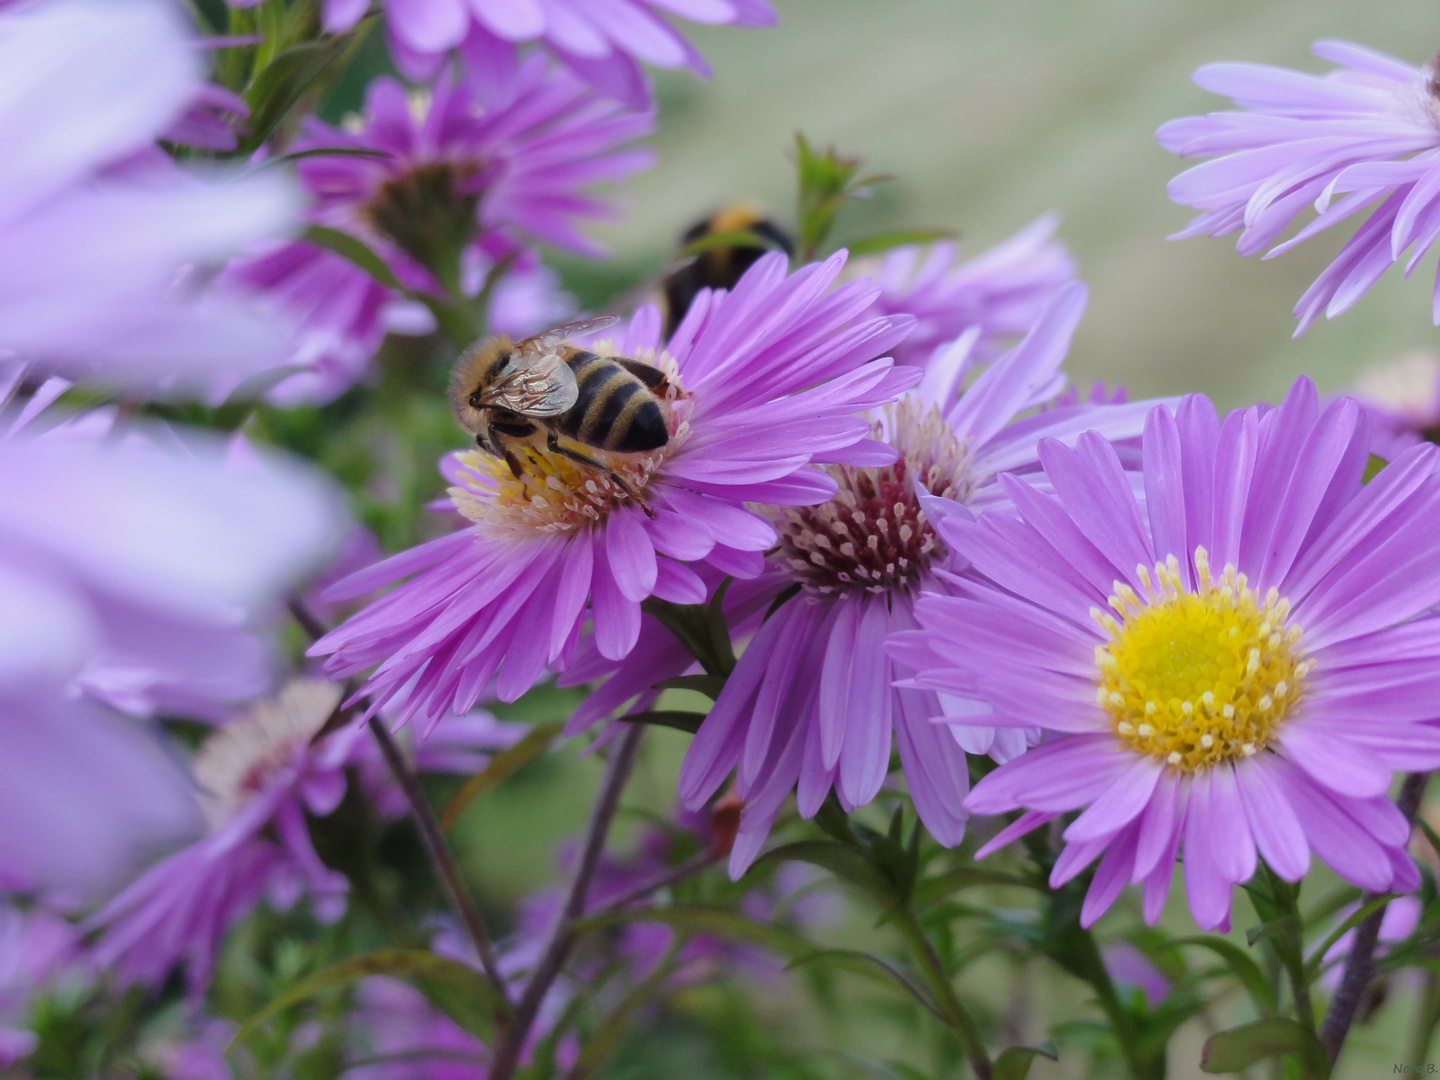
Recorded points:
(354, 250)
(734, 238)
(324, 151)
(243, 399)
(283, 82)
(1241, 965)
(1243, 1046)
(502, 766)
(873, 245)
(869, 965)
(415, 964)
(704, 919)
(678, 719)
(1317, 958)
(843, 860)
(936, 888)
(1373, 464)
(1014, 1062)
(709, 685)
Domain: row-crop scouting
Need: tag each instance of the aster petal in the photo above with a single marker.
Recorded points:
(1110, 877)
(1091, 484)
(1119, 804)
(631, 555)
(1333, 834)
(865, 753)
(1277, 831)
(1026, 823)
(1062, 775)
(1231, 839)
(1336, 763)
(1160, 825)
(1206, 887)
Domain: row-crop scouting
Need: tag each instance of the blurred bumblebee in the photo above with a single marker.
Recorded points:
(535, 391)
(719, 267)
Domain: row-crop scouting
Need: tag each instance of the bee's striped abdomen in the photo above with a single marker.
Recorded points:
(613, 410)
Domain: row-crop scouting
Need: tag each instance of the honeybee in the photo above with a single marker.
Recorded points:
(722, 267)
(510, 393)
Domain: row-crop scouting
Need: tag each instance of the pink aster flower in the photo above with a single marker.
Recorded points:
(96, 227)
(1232, 669)
(602, 42)
(462, 178)
(1368, 132)
(1002, 291)
(762, 382)
(811, 705)
(1401, 917)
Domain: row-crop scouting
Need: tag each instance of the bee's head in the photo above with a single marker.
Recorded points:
(473, 373)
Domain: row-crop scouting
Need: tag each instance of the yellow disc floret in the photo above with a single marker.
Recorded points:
(1197, 678)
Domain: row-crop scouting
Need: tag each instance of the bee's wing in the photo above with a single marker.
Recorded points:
(536, 381)
(552, 338)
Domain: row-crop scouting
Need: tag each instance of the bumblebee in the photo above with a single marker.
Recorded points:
(508, 393)
(718, 268)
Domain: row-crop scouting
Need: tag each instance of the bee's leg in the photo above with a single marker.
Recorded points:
(553, 445)
(506, 430)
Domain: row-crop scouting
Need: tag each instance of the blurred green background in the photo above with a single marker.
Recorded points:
(991, 113)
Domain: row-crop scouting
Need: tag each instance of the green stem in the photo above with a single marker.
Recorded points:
(959, 1020)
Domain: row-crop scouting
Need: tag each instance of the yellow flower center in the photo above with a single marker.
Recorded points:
(1197, 678)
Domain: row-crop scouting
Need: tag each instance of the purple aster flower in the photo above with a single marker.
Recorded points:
(1401, 917)
(1367, 132)
(1232, 669)
(38, 949)
(1002, 291)
(811, 705)
(258, 777)
(602, 41)
(1403, 401)
(762, 382)
(394, 1020)
(97, 227)
(1129, 968)
(462, 176)
(171, 561)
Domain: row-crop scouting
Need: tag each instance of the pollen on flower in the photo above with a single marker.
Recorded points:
(1213, 672)
(554, 493)
(242, 759)
(873, 535)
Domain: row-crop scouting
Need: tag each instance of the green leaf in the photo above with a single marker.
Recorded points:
(324, 151)
(843, 860)
(873, 245)
(415, 964)
(1243, 1046)
(1014, 1063)
(679, 719)
(1317, 958)
(709, 685)
(827, 183)
(283, 82)
(868, 965)
(1373, 464)
(243, 399)
(936, 888)
(735, 238)
(354, 250)
(1241, 965)
(705, 919)
(502, 766)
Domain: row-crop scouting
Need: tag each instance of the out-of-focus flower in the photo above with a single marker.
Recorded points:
(1367, 132)
(1002, 291)
(169, 559)
(258, 777)
(1403, 400)
(454, 182)
(811, 704)
(393, 1020)
(212, 120)
(1401, 917)
(762, 381)
(1129, 967)
(98, 250)
(1235, 667)
(602, 42)
(37, 948)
